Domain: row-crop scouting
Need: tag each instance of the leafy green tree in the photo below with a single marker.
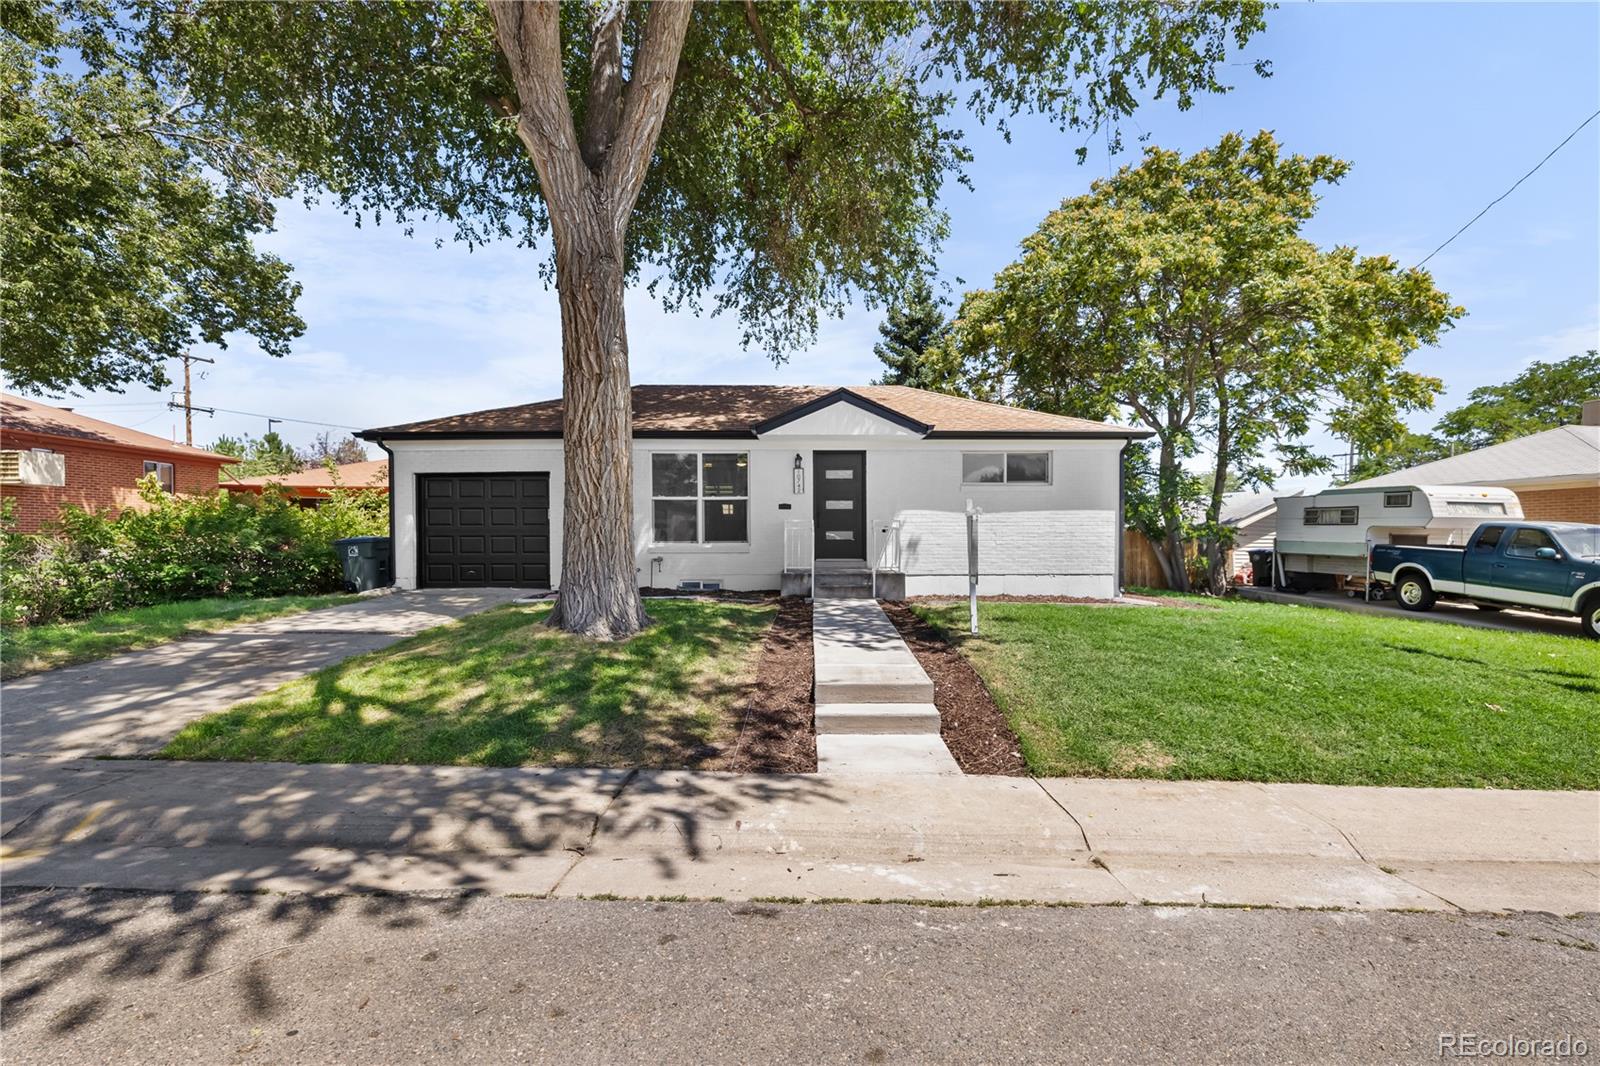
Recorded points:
(324, 449)
(128, 212)
(1407, 449)
(259, 456)
(1544, 396)
(1181, 291)
(782, 156)
(912, 331)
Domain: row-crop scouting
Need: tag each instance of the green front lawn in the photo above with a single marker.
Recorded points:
(29, 649)
(501, 689)
(1267, 692)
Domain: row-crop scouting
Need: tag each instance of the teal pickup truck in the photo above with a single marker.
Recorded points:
(1545, 566)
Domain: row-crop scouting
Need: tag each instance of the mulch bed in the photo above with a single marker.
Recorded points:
(775, 734)
(973, 728)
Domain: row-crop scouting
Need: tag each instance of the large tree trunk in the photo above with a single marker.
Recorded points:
(590, 184)
(599, 579)
(1172, 549)
(1218, 543)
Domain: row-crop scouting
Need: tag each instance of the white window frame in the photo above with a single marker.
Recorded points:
(699, 498)
(1314, 516)
(1005, 465)
(169, 483)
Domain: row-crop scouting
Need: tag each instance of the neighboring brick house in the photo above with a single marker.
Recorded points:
(313, 485)
(1556, 474)
(50, 456)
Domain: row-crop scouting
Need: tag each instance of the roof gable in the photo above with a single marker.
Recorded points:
(841, 413)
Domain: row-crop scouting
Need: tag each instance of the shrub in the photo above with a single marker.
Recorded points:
(179, 548)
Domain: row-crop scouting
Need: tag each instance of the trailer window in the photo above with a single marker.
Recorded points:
(1331, 516)
(1489, 539)
(1397, 499)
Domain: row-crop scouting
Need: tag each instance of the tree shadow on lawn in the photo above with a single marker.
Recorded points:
(1579, 681)
(501, 689)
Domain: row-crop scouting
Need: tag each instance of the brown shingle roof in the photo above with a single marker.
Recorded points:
(18, 414)
(723, 409)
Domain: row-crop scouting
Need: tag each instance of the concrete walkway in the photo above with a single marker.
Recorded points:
(544, 832)
(133, 704)
(874, 702)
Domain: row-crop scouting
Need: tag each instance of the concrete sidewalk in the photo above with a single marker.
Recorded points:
(546, 832)
(134, 703)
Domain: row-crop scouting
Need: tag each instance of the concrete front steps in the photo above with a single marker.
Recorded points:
(874, 702)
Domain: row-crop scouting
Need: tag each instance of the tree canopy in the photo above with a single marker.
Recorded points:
(1181, 292)
(800, 158)
(129, 212)
(1544, 396)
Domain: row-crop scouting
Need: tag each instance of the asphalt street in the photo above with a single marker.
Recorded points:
(100, 976)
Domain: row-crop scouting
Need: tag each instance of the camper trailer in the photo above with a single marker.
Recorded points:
(1324, 539)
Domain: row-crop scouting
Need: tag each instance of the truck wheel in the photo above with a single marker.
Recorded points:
(1414, 593)
(1589, 614)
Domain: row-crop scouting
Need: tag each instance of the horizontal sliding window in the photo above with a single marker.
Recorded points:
(1005, 468)
(700, 497)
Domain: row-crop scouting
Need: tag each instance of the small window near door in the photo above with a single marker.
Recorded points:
(1397, 499)
(1525, 543)
(1005, 468)
(163, 473)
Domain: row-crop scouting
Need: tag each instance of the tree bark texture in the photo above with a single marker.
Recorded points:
(590, 188)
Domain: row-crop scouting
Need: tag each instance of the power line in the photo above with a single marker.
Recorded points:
(224, 410)
(277, 418)
(1511, 190)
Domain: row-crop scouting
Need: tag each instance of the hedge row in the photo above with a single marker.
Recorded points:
(179, 548)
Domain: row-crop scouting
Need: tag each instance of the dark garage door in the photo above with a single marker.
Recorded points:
(485, 529)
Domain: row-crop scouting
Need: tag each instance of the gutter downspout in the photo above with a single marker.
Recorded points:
(393, 563)
(1122, 517)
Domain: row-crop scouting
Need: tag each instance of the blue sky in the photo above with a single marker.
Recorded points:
(1439, 107)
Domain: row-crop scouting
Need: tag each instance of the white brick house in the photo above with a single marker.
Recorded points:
(756, 487)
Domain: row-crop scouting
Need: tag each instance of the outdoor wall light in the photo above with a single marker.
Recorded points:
(799, 475)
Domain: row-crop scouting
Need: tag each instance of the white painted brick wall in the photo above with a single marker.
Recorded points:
(1010, 542)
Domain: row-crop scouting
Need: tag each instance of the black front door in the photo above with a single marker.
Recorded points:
(839, 505)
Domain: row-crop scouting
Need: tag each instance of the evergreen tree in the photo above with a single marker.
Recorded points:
(913, 328)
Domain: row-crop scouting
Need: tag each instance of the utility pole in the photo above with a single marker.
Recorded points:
(188, 397)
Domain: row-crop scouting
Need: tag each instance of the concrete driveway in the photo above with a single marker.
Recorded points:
(134, 703)
(1447, 611)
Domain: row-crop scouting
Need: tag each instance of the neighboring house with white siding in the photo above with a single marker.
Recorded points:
(763, 486)
(1254, 518)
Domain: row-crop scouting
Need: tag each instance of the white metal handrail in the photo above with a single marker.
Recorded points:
(885, 551)
(799, 544)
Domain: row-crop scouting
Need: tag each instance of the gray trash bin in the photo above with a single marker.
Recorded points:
(367, 563)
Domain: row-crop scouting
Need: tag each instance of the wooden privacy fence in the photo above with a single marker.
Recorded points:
(1139, 563)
